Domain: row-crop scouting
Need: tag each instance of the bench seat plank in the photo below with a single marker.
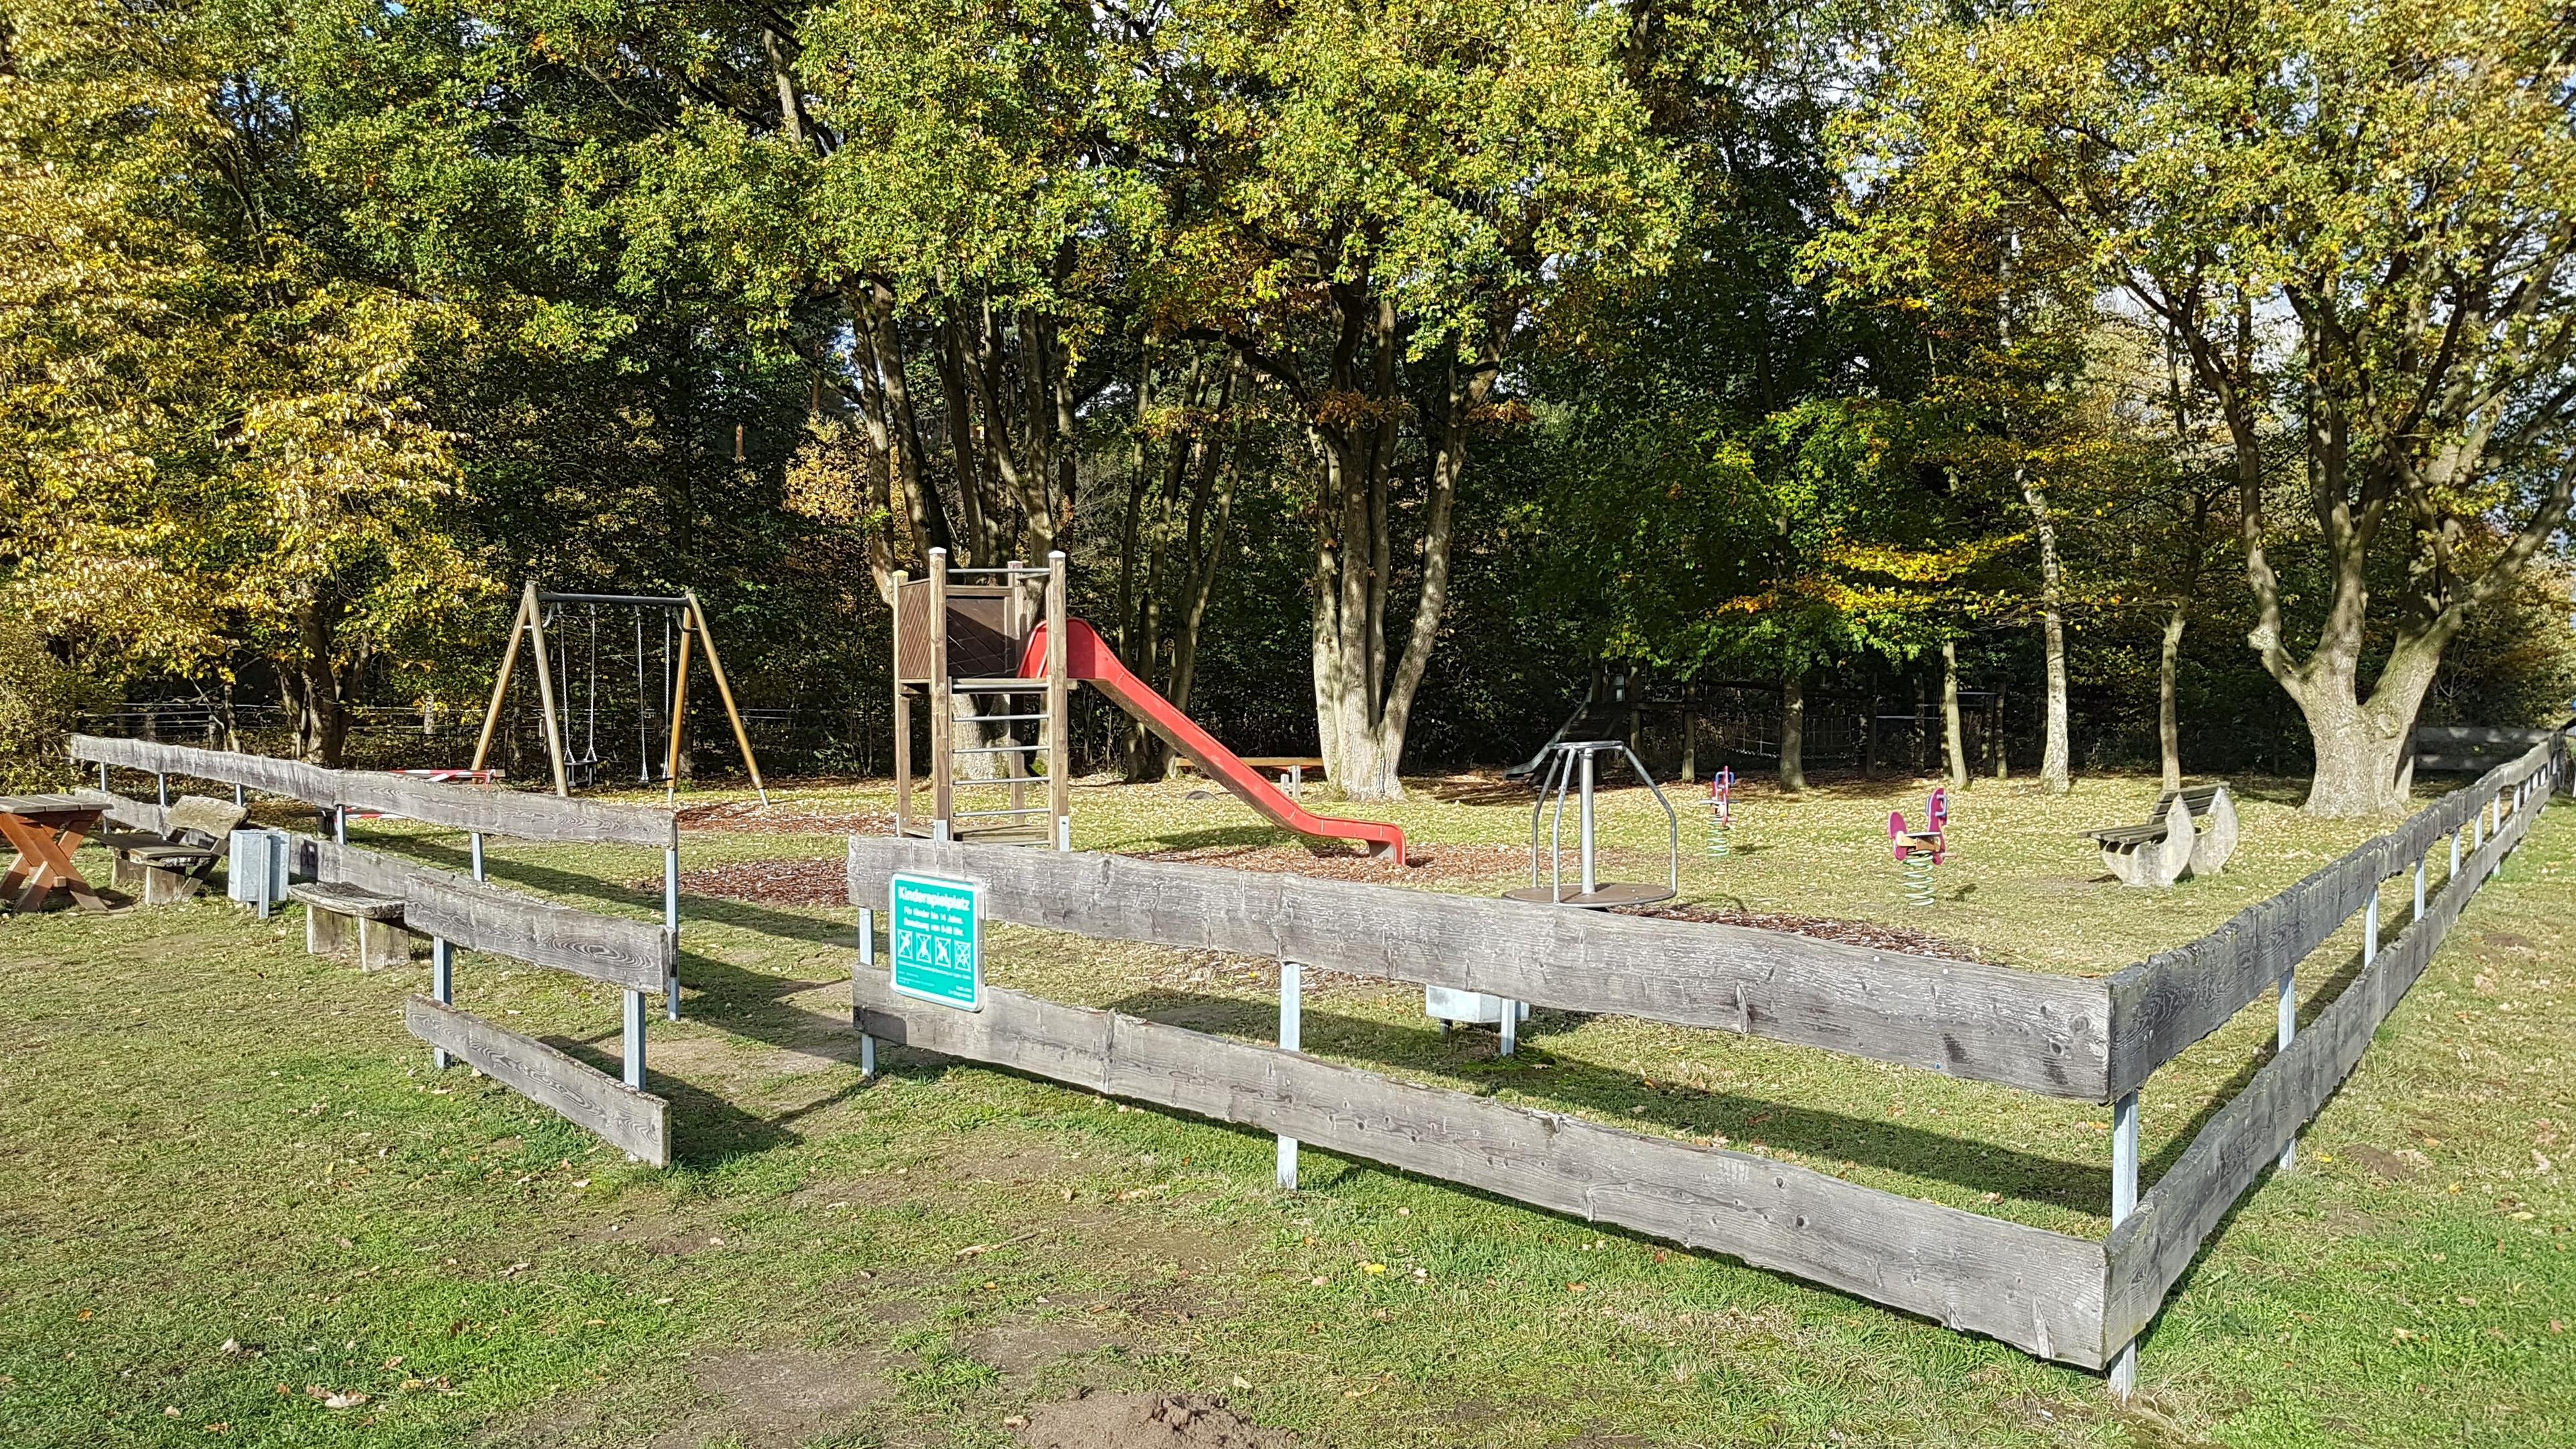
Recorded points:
(347, 900)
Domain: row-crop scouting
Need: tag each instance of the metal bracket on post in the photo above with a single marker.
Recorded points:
(868, 959)
(1292, 1010)
(2124, 1201)
(339, 824)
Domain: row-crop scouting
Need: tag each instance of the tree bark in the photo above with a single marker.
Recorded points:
(2168, 716)
(2055, 770)
(1793, 732)
(1953, 739)
(1363, 707)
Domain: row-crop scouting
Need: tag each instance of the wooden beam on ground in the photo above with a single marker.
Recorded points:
(2150, 1251)
(2027, 1029)
(477, 916)
(2037, 1290)
(621, 1116)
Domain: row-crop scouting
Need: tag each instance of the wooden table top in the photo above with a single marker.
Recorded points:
(35, 805)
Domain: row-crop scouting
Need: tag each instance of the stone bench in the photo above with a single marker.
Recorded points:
(334, 914)
(2189, 832)
(173, 864)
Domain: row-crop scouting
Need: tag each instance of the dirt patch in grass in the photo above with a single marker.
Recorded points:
(1030, 1344)
(1430, 865)
(774, 882)
(775, 1398)
(785, 817)
(1147, 1421)
(1850, 933)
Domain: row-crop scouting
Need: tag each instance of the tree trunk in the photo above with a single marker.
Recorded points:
(2055, 770)
(1362, 706)
(2364, 763)
(1793, 732)
(2168, 718)
(312, 686)
(2003, 762)
(1953, 740)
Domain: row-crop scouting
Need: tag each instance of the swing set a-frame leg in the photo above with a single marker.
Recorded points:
(529, 622)
(724, 691)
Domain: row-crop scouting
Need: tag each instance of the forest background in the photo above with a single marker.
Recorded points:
(2189, 384)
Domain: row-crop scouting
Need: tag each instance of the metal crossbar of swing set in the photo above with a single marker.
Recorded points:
(1015, 810)
(643, 601)
(993, 750)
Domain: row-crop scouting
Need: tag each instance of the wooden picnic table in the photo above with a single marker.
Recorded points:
(44, 830)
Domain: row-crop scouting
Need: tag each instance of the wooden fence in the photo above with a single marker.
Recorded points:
(2075, 1300)
(457, 911)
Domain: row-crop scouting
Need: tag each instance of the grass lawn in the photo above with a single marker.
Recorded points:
(241, 1208)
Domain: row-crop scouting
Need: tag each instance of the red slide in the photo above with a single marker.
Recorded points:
(1088, 659)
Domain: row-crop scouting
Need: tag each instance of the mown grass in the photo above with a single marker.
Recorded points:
(210, 1137)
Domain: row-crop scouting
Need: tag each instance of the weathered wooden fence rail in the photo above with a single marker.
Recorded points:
(468, 912)
(2076, 1300)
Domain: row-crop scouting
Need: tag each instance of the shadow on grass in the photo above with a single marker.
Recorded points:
(1548, 1081)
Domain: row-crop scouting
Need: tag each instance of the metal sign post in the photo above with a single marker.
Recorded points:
(937, 928)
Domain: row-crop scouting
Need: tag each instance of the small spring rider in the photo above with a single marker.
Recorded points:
(1721, 810)
(1917, 851)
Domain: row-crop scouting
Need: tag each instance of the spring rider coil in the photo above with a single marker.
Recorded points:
(1721, 810)
(1918, 851)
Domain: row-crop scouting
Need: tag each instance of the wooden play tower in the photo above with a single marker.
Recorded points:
(966, 632)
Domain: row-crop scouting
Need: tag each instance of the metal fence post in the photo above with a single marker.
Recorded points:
(239, 797)
(102, 779)
(1292, 1009)
(868, 959)
(1511, 1029)
(2370, 929)
(163, 781)
(2419, 887)
(2289, 1031)
(2124, 1201)
(2455, 859)
(442, 989)
(633, 1045)
(671, 927)
(478, 855)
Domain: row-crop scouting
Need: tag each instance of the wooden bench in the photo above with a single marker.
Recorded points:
(2189, 832)
(1291, 769)
(172, 864)
(332, 910)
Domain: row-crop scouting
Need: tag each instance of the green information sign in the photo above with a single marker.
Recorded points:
(938, 932)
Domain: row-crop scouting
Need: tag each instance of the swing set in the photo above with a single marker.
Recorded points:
(682, 620)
